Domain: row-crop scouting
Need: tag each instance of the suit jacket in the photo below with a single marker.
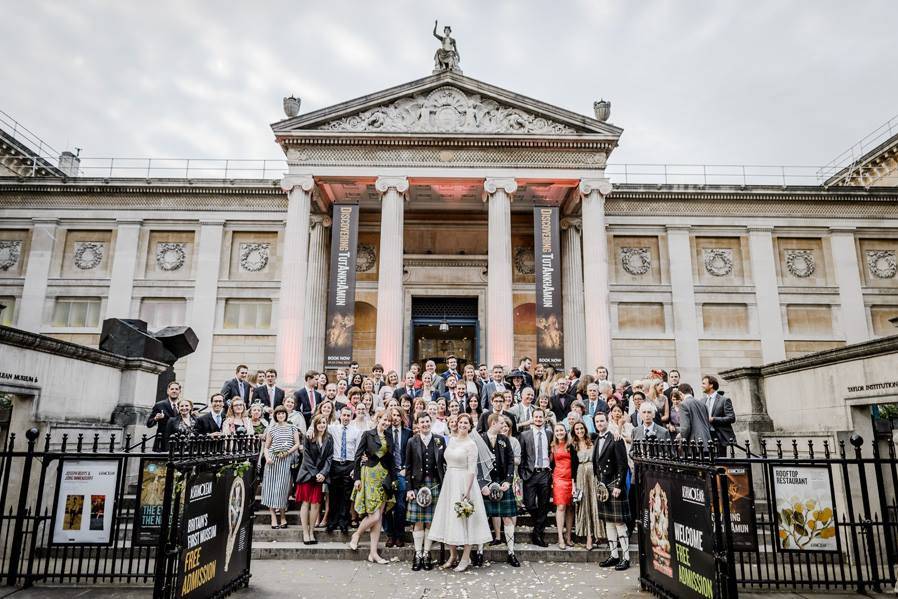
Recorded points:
(661, 433)
(400, 391)
(724, 416)
(232, 388)
(316, 459)
(519, 413)
(482, 423)
(205, 424)
(487, 393)
(260, 394)
(610, 466)
(561, 405)
(301, 397)
(503, 468)
(414, 460)
(600, 406)
(694, 421)
(528, 452)
(405, 434)
(160, 443)
(369, 445)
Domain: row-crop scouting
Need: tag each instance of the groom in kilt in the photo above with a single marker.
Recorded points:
(609, 463)
(500, 503)
(425, 466)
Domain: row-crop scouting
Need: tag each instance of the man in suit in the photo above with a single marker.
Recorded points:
(425, 466)
(394, 520)
(451, 369)
(523, 411)
(439, 385)
(210, 422)
(573, 376)
(609, 463)
(648, 429)
(307, 399)
(269, 394)
(562, 400)
(497, 384)
(483, 375)
(498, 403)
(377, 377)
(536, 475)
(721, 414)
(238, 386)
(524, 366)
(673, 380)
(409, 388)
(346, 441)
(595, 398)
(694, 425)
(161, 412)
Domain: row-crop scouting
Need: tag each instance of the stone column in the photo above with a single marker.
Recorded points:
(294, 270)
(572, 287)
(202, 309)
(682, 290)
(388, 341)
(124, 263)
(34, 292)
(316, 292)
(499, 301)
(848, 278)
(767, 297)
(595, 275)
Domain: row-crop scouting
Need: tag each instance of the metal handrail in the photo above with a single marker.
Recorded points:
(858, 149)
(29, 138)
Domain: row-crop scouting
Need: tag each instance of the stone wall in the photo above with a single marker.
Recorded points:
(634, 358)
(256, 351)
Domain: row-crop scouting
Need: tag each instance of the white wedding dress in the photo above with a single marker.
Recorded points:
(461, 462)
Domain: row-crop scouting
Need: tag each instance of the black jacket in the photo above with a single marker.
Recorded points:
(724, 417)
(316, 459)
(260, 394)
(414, 460)
(173, 427)
(301, 398)
(205, 424)
(160, 443)
(369, 445)
(610, 467)
(503, 468)
(561, 405)
(232, 388)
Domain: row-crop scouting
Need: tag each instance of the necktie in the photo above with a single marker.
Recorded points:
(343, 445)
(311, 398)
(539, 449)
(218, 420)
(527, 413)
(240, 387)
(396, 449)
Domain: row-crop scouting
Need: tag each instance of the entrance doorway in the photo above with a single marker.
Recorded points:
(443, 326)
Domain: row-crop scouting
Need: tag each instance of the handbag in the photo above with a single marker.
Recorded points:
(577, 496)
(517, 487)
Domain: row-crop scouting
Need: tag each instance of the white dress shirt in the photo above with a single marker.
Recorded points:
(353, 434)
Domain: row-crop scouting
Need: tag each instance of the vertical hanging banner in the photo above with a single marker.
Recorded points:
(341, 286)
(547, 262)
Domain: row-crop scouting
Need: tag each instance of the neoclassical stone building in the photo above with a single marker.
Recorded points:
(446, 172)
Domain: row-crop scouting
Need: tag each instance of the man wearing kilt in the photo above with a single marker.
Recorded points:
(609, 463)
(500, 503)
(424, 468)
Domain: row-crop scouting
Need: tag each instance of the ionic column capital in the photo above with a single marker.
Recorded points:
(571, 223)
(319, 219)
(492, 185)
(602, 185)
(291, 182)
(400, 184)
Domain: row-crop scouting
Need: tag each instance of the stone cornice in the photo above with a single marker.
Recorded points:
(42, 343)
(142, 186)
(440, 260)
(856, 351)
(363, 139)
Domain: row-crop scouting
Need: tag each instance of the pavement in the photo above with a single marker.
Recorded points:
(325, 579)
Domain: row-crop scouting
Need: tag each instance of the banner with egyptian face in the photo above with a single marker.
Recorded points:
(547, 263)
(341, 287)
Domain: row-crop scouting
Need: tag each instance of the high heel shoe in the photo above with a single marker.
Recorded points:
(379, 560)
(448, 564)
(462, 566)
(354, 547)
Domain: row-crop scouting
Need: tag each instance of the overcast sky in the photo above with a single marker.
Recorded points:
(690, 82)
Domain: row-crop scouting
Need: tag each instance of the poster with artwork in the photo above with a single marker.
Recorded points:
(150, 501)
(85, 502)
(742, 507)
(805, 509)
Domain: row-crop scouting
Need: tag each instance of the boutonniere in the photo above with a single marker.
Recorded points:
(501, 443)
(438, 441)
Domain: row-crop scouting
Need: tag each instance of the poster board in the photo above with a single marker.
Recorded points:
(150, 501)
(743, 523)
(805, 509)
(84, 506)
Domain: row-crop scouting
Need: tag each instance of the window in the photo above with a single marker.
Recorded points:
(6, 315)
(163, 312)
(247, 314)
(76, 312)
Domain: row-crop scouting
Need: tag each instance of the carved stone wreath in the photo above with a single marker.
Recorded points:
(365, 258)
(718, 261)
(882, 263)
(636, 261)
(88, 254)
(524, 262)
(800, 263)
(254, 256)
(10, 250)
(170, 256)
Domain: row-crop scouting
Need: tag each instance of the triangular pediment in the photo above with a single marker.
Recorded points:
(447, 103)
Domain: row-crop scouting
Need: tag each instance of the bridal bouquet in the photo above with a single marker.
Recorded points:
(463, 508)
(281, 454)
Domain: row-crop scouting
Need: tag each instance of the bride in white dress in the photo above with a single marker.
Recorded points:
(461, 470)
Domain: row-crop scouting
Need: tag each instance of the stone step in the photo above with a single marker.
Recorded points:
(262, 531)
(525, 552)
(263, 516)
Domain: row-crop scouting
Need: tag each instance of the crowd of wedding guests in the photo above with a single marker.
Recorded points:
(380, 452)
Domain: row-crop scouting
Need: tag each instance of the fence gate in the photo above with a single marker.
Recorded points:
(90, 511)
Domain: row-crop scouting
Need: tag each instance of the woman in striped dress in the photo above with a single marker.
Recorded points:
(280, 447)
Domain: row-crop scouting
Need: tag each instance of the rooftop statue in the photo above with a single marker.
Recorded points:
(446, 57)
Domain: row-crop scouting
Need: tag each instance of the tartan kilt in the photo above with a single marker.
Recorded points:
(507, 507)
(615, 510)
(415, 513)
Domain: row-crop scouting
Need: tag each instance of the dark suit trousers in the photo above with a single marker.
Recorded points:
(537, 491)
(339, 490)
(394, 520)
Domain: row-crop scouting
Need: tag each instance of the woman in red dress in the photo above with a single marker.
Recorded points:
(564, 463)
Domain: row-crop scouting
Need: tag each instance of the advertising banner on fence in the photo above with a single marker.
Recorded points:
(547, 262)
(150, 499)
(215, 525)
(742, 508)
(85, 501)
(805, 510)
(676, 514)
(341, 286)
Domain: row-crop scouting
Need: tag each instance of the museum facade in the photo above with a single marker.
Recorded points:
(445, 216)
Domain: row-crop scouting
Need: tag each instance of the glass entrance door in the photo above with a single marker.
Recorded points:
(443, 327)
